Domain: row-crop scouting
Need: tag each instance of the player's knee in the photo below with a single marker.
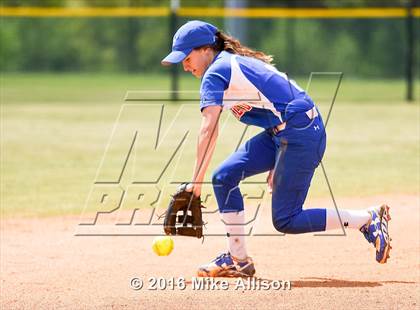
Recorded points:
(217, 177)
(221, 176)
(284, 226)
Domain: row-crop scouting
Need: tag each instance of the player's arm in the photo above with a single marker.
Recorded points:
(206, 143)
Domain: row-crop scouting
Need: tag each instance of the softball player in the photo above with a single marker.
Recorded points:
(290, 147)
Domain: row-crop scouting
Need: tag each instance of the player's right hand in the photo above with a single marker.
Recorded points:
(196, 189)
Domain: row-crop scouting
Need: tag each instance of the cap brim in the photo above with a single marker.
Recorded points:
(175, 57)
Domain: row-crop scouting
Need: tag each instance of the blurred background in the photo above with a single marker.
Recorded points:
(363, 39)
(66, 66)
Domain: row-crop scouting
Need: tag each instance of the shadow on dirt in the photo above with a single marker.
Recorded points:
(328, 282)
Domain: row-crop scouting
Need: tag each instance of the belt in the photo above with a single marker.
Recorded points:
(276, 129)
(312, 113)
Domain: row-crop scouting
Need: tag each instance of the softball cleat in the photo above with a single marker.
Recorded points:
(225, 265)
(376, 232)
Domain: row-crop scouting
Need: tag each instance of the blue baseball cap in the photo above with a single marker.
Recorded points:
(191, 35)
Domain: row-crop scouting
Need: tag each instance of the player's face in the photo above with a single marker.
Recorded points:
(198, 61)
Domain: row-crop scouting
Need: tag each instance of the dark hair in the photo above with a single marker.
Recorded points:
(232, 45)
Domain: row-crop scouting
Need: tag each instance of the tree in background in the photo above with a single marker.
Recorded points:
(358, 47)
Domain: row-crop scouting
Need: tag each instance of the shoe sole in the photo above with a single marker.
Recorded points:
(223, 273)
(385, 217)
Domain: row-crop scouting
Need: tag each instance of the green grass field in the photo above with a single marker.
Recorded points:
(55, 128)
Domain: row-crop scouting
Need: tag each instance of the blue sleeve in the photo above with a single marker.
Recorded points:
(213, 86)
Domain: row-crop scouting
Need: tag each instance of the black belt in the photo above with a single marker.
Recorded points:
(276, 129)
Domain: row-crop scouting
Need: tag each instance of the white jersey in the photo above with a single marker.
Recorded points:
(256, 92)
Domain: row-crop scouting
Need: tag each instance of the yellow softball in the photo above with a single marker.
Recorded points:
(163, 246)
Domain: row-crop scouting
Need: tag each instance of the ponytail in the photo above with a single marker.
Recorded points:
(232, 45)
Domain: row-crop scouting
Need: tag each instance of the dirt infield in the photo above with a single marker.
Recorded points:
(43, 265)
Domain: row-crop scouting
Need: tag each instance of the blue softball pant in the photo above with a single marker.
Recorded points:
(293, 153)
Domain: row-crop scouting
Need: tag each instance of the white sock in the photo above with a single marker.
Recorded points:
(235, 228)
(350, 218)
